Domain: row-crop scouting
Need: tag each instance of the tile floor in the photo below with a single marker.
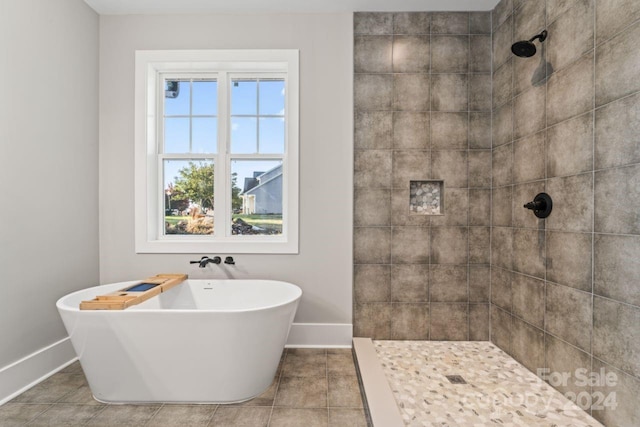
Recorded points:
(498, 389)
(313, 387)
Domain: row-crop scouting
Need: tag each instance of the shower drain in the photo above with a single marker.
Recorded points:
(455, 379)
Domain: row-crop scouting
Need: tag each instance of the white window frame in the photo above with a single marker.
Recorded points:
(150, 69)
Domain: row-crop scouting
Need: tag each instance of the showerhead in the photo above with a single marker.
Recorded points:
(526, 48)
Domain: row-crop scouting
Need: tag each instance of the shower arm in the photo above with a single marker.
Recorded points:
(542, 36)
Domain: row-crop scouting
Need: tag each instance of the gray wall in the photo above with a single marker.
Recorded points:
(565, 291)
(323, 269)
(48, 166)
(422, 111)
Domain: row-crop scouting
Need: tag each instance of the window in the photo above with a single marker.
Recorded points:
(216, 151)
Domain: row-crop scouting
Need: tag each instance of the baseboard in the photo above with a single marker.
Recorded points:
(324, 335)
(34, 368)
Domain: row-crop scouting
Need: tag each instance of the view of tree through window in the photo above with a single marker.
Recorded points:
(189, 197)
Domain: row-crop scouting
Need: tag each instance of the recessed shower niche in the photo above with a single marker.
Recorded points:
(426, 197)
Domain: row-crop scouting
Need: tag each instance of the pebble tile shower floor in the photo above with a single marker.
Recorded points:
(313, 387)
(497, 390)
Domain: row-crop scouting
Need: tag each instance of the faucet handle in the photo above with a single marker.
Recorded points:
(229, 260)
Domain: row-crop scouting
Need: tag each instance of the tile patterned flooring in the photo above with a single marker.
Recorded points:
(499, 390)
(313, 387)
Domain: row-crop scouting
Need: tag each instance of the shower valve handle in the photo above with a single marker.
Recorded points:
(541, 205)
(535, 206)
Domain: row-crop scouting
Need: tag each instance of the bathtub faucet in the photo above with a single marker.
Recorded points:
(206, 260)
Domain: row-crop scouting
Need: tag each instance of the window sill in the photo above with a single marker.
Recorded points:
(267, 246)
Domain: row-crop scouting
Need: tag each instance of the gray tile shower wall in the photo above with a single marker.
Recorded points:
(423, 104)
(565, 291)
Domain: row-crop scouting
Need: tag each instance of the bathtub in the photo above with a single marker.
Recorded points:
(203, 341)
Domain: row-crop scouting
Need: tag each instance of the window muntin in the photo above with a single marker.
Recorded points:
(257, 115)
(273, 138)
(189, 115)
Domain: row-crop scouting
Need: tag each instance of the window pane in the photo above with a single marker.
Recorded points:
(256, 188)
(176, 102)
(188, 196)
(176, 135)
(204, 134)
(244, 135)
(271, 135)
(205, 98)
(244, 97)
(272, 97)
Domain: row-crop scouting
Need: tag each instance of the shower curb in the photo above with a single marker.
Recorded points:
(380, 405)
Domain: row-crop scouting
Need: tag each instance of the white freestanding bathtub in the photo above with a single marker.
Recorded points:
(203, 341)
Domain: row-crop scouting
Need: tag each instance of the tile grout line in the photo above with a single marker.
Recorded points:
(154, 414)
(490, 329)
(468, 226)
(275, 393)
(430, 175)
(593, 194)
(104, 408)
(213, 414)
(511, 161)
(545, 362)
(392, 144)
(38, 414)
(326, 374)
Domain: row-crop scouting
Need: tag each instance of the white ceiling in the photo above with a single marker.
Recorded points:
(124, 7)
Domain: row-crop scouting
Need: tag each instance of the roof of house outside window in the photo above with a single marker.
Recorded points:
(260, 179)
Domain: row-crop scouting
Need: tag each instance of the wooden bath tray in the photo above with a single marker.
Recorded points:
(134, 294)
